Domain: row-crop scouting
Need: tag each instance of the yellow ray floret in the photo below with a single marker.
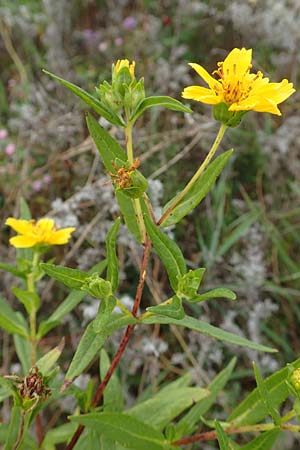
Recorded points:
(236, 86)
(33, 233)
(124, 63)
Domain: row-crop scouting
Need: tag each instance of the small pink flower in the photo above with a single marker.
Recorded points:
(37, 185)
(118, 41)
(3, 134)
(10, 149)
(129, 23)
(47, 178)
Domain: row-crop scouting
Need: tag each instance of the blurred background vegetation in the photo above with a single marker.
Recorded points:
(246, 232)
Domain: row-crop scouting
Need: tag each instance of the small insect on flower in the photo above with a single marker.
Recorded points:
(42, 232)
(238, 88)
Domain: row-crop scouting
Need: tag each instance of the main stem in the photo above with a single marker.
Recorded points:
(123, 343)
(199, 172)
(32, 315)
(135, 201)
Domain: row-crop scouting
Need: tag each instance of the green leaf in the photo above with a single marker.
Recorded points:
(46, 363)
(165, 101)
(14, 426)
(58, 435)
(222, 437)
(45, 326)
(112, 397)
(112, 259)
(12, 269)
(264, 441)
(106, 308)
(253, 410)
(72, 278)
(170, 308)
(214, 293)
(264, 395)
(189, 283)
(189, 423)
(129, 214)
(166, 405)
(128, 431)
(209, 330)
(23, 349)
(30, 300)
(168, 251)
(90, 100)
(91, 343)
(10, 321)
(197, 192)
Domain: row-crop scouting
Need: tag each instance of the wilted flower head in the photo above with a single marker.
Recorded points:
(42, 232)
(237, 88)
(124, 63)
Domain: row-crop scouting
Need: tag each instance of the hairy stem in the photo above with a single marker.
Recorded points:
(195, 177)
(123, 343)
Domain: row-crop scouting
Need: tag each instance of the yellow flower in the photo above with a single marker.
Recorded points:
(124, 63)
(43, 232)
(239, 89)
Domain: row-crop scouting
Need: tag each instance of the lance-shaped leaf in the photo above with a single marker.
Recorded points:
(168, 251)
(46, 362)
(113, 400)
(111, 254)
(23, 350)
(209, 330)
(106, 308)
(264, 441)
(11, 321)
(264, 395)
(197, 192)
(188, 423)
(107, 146)
(165, 101)
(12, 269)
(222, 437)
(170, 308)
(214, 293)
(30, 300)
(92, 342)
(128, 431)
(72, 278)
(253, 410)
(129, 214)
(89, 99)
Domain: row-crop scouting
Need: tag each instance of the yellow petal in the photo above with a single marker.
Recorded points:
(237, 63)
(46, 224)
(212, 82)
(20, 226)
(61, 237)
(201, 94)
(23, 241)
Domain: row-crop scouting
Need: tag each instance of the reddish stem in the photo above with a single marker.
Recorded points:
(123, 343)
(39, 429)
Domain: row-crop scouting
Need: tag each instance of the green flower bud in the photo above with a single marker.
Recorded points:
(97, 286)
(222, 114)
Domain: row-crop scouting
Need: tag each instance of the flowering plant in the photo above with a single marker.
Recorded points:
(169, 418)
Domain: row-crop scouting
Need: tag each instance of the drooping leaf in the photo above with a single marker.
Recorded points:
(89, 99)
(190, 421)
(168, 251)
(165, 101)
(209, 330)
(72, 278)
(253, 410)
(128, 431)
(10, 320)
(112, 259)
(197, 192)
(112, 397)
(170, 308)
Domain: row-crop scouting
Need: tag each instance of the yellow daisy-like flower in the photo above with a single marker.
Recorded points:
(124, 63)
(42, 232)
(239, 89)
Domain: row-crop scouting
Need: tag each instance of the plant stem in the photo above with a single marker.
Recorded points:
(21, 431)
(135, 201)
(210, 435)
(123, 343)
(195, 177)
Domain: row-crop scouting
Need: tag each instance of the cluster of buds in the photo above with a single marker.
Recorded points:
(125, 92)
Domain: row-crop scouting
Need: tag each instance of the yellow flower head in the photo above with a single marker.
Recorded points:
(239, 89)
(124, 63)
(42, 232)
